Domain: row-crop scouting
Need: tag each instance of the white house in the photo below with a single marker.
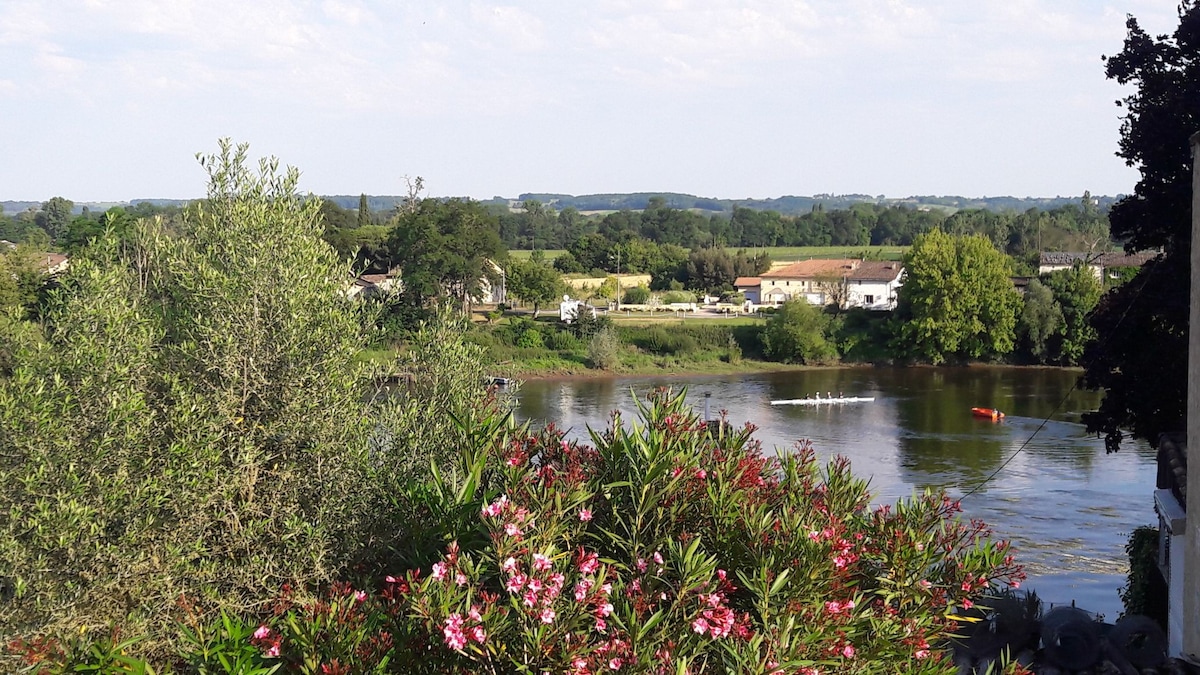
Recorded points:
(871, 284)
(1099, 263)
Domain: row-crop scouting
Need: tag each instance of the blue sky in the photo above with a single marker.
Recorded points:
(112, 99)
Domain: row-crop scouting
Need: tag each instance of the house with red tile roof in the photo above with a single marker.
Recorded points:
(845, 282)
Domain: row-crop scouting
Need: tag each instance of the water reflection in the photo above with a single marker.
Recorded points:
(1067, 506)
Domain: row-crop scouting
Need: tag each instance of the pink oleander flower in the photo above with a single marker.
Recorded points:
(390, 579)
(657, 558)
(848, 651)
(529, 599)
(262, 633)
(924, 583)
(701, 474)
(474, 614)
(967, 604)
(582, 588)
(585, 514)
(588, 563)
(614, 663)
(1014, 584)
(453, 633)
(605, 609)
(535, 585)
(601, 625)
(921, 654)
(512, 530)
(509, 565)
(606, 589)
(700, 626)
(515, 583)
(547, 615)
(360, 596)
(272, 651)
(477, 633)
(439, 571)
(641, 565)
(541, 562)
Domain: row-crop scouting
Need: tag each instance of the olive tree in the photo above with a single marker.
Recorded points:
(196, 423)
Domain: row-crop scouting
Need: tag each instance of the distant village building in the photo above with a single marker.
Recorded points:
(749, 287)
(870, 284)
(374, 285)
(1099, 263)
(54, 264)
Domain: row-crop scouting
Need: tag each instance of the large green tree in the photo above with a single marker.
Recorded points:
(445, 250)
(1076, 292)
(535, 281)
(957, 301)
(1139, 358)
(55, 216)
(1041, 320)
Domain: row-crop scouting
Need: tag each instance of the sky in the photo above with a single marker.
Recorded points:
(111, 100)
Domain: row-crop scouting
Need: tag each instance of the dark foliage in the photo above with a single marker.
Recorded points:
(1140, 358)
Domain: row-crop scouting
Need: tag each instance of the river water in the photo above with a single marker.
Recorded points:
(1036, 478)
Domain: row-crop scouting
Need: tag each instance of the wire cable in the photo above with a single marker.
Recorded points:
(1046, 420)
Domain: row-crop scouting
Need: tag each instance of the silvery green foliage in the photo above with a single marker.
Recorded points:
(195, 422)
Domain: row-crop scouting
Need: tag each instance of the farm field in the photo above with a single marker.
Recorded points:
(786, 253)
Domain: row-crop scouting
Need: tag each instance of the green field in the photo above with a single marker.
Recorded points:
(788, 253)
(794, 253)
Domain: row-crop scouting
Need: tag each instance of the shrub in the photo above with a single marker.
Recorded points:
(638, 295)
(658, 340)
(204, 434)
(562, 341)
(673, 296)
(670, 546)
(1145, 591)
(604, 349)
(796, 334)
(530, 339)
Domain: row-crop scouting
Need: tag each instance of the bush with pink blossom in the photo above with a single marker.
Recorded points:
(674, 545)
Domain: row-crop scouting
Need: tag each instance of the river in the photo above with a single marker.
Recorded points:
(1067, 507)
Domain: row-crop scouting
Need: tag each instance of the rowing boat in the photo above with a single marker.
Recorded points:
(823, 401)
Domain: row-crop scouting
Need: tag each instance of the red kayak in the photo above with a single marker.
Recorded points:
(988, 413)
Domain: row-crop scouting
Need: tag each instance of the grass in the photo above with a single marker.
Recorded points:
(794, 253)
(551, 254)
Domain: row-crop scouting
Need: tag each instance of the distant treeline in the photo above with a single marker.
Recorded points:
(1079, 225)
(793, 205)
(785, 205)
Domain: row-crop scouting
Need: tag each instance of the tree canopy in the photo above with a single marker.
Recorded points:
(957, 301)
(1139, 357)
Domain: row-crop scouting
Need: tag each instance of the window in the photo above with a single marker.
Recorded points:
(869, 299)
